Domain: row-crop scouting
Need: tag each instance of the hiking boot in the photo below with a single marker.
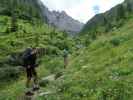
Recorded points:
(29, 93)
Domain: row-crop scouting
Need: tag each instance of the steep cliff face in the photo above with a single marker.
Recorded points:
(61, 20)
(109, 20)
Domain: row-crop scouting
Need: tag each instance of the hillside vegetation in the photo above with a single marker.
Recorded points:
(24, 9)
(101, 71)
(21, 26)
(100, 62)
(110, 20)
(28, 34)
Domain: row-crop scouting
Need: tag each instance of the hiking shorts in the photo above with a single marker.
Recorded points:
(31, 72)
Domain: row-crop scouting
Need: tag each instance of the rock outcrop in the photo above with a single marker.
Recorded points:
(61, 20)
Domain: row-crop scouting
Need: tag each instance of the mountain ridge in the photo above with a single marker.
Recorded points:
(61, 20)
(35, 9)
(109, 20)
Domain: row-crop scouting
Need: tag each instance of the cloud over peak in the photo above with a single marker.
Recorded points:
(81, 10)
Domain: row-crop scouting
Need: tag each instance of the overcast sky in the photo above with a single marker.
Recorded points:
(81, 10)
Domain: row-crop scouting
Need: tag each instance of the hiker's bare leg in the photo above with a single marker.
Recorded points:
(28, 82)
(35, 77)
(28, 90)
(29, 76)
(65, 62)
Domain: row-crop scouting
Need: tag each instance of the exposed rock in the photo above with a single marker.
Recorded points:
(61, 20)
(46, 93)
(49, 78)
(30, 9)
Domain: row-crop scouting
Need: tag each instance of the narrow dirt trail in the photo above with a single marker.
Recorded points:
(42, 92)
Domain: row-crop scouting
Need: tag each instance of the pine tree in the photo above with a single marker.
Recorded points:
(14, 25)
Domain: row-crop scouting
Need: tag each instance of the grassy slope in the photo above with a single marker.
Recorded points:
(27, 35)
(102, 71)
(16, 89)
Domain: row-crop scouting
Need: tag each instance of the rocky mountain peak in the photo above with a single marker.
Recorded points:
(61, 20)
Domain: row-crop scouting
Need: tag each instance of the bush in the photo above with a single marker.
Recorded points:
(116, 41)
(15, 59)
(117, 91)
(53, 64)
(9, 73)
(51, 50)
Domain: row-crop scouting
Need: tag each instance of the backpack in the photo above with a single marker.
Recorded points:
(25, 56)
(65, 53)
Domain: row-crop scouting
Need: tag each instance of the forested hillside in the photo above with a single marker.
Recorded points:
(99, 63)
(24, 9)
(21, 26)
(102, 70)
(110, 20)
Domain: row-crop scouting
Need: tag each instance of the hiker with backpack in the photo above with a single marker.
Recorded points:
(29, 61)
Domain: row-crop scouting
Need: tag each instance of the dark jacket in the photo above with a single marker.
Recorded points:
(30, 60)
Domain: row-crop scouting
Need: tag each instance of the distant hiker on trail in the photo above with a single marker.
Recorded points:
(65, 55)
(29, 59)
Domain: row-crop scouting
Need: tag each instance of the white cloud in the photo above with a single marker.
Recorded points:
(81, 10)
(96, 9)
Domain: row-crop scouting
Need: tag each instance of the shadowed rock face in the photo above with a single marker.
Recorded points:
(61, 20)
